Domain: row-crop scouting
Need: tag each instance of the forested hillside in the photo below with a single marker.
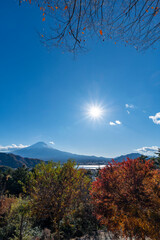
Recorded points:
(15, 161)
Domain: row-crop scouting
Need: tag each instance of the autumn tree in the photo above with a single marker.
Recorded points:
(56, 191)
(5, 207)
(72, 23)
(20, 219)
(126, 197)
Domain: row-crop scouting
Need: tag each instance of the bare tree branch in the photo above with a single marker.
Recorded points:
(70, 23)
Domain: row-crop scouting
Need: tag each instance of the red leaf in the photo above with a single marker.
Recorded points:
(101, 32)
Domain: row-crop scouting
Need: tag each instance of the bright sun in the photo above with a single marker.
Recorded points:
(95, 112)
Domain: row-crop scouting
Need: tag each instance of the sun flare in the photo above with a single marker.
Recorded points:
(95, 112)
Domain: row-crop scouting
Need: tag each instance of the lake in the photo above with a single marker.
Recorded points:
(91, 166)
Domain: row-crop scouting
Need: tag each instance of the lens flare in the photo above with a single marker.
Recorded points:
(95, 112)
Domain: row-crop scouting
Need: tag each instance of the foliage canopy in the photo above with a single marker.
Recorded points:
(126, 197)
(57, 190)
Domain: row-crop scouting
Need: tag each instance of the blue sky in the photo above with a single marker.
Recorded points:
(44, 94)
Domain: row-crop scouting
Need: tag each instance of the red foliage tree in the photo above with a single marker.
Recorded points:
(5, 206)
(126, 197)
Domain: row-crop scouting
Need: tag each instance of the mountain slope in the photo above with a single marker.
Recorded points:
(30, 156)
(14, 161)
(130, 155)
(45, 152)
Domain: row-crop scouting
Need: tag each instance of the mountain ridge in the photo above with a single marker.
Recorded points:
(36, 153)
(43, 151)
(15, 161)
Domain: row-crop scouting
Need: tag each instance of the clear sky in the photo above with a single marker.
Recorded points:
(44, 94)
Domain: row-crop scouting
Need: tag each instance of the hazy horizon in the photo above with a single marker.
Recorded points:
(13, 147)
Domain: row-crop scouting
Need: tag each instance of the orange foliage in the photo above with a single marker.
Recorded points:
(126, 197)
(5, 205)
(114, 22)
(101, 32)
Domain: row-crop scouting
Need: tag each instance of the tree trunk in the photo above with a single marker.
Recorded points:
(58, 231)
(21, 229)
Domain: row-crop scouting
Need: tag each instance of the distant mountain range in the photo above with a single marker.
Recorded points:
(45, 152)
(34, 154)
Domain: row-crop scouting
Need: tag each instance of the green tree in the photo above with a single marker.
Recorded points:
(16, 222)
(56, 191)
(143, 158)
(5, 175)
(20, 219)
(157, 159)
(17, 180)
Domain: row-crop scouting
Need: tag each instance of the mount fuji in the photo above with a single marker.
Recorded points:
(43, 151)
